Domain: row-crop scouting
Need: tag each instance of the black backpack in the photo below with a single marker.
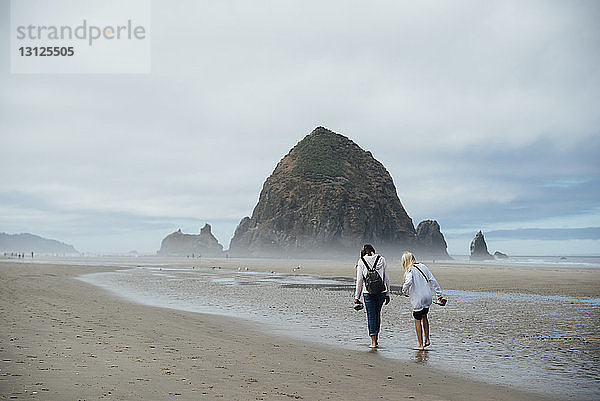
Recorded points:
(373, 280)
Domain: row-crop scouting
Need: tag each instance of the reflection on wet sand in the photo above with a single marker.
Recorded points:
(477, 335)
(422, 356)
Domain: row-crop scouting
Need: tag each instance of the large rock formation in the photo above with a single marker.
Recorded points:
(27, 243)
(430, 240)
(180, 244)
(326, 197)
(479, 250)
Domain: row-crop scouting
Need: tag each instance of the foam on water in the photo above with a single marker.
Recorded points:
(546, 344)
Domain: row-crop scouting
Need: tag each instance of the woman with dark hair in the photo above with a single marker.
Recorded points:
(375, 299)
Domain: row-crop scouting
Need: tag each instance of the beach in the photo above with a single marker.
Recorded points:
(63, 338)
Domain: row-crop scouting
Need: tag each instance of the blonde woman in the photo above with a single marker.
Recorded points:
(417, 282)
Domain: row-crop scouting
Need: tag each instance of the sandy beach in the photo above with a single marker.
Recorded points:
(66, 339)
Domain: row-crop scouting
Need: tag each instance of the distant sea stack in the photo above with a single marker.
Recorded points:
(479, 250)
(27, 243)
(180, 244)
(431, 241)
(500, 255)
(326, 197)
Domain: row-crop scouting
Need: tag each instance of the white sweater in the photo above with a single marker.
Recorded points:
(361, 272)
(418, 288)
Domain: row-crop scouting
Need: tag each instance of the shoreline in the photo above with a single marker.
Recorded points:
(65, 339)
(472, 276)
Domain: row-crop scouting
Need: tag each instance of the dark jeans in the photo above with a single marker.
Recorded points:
(373, 304)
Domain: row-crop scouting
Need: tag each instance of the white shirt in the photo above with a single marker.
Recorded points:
(418, 288)
(361, 272)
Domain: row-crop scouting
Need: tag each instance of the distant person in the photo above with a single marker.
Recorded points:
(417, 281)
(374, 299)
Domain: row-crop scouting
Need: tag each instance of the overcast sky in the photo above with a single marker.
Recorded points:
(485, 113)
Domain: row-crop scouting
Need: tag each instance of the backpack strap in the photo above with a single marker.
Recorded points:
(426, 279)
(374, 264)
(365, 262)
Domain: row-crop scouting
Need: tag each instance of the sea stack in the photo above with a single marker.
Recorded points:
(180, 244)
(431, 241)
(500, 255)
(479, 250)
(326, 197)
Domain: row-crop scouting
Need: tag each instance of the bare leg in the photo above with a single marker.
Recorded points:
(426, 330)
(373, 342)
(419, 335)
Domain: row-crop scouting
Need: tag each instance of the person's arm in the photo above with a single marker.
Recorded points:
(434, 284)
(386, 281)
(407, 283)
(359, 282)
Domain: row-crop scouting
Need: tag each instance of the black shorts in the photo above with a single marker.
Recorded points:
(419, 314)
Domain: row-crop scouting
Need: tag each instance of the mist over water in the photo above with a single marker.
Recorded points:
(545, 344)
(540, 261)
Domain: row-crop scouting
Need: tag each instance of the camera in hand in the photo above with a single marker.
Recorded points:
(441, 301)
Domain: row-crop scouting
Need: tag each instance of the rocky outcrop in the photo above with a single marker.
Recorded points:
(479, 250)
(27, 243)
(326, 197)
(431, 241)
(500, 255)
(198, 245)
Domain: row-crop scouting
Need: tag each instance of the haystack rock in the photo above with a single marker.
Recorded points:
(431, 241)
(180, 244)
(479, 250)
(326, 197)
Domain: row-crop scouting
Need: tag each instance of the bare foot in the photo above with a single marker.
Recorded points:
(419, 348)
(427, 344)
(373, 346)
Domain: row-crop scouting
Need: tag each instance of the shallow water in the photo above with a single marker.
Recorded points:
(545, 344)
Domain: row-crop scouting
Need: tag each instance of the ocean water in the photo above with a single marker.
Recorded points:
(591, 262)
(585, 262)
(544, 344)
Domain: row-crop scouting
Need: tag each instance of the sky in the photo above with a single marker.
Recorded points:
(484, 113)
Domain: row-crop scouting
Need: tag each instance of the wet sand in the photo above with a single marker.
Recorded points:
(570, 281)
(65, 339)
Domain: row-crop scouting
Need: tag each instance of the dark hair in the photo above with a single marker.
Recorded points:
(367, 249)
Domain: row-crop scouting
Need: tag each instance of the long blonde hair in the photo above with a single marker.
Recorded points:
(408, 261)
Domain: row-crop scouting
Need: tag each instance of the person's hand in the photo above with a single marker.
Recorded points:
(355, 300)
(387, 300)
